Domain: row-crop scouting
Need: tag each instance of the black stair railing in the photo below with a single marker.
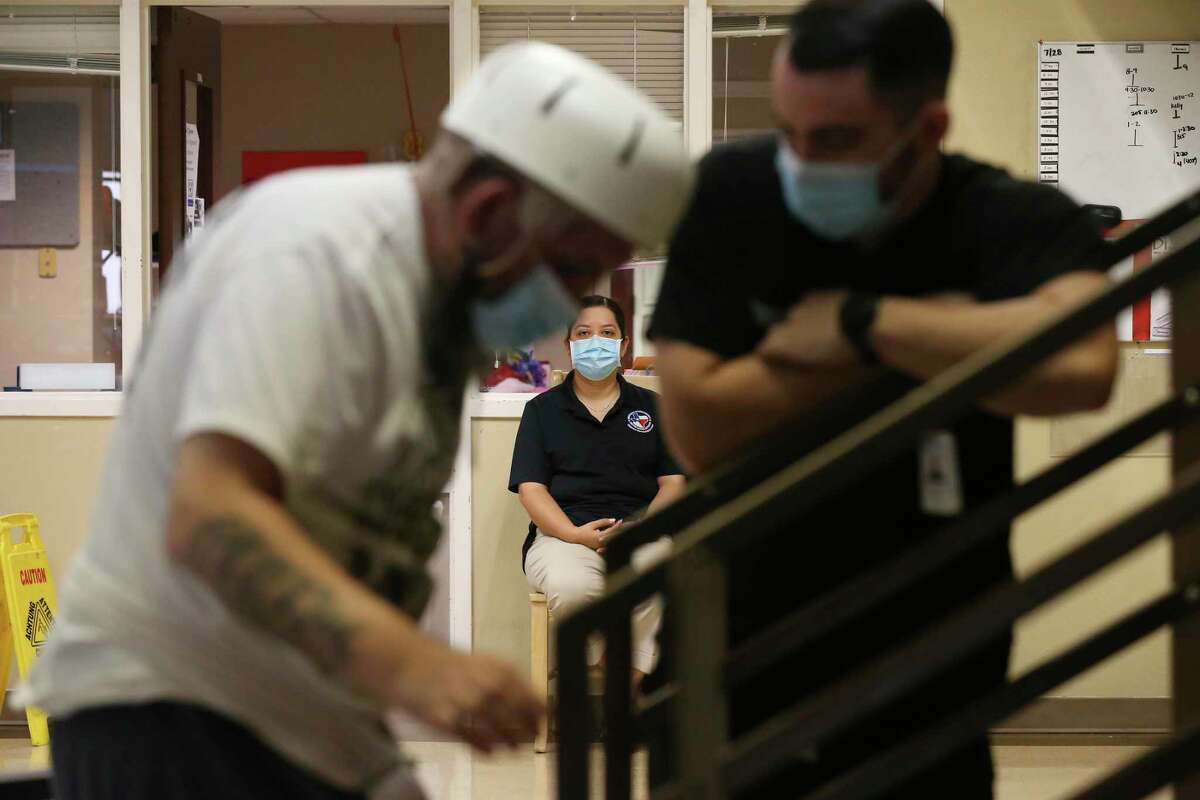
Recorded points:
(783, 479)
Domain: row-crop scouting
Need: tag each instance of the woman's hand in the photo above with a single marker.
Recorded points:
(595, 534)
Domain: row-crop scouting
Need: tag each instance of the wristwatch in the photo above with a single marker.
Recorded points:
(856, 317)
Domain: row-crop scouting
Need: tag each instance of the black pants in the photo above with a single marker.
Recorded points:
(171, 751)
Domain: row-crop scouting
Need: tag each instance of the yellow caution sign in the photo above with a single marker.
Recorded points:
(29, 607)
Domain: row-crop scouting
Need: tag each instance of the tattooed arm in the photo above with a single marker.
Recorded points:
(227, 526)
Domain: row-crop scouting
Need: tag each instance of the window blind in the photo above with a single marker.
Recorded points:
(83, 39)
(645, 49)
(743, 46)
(739, 25)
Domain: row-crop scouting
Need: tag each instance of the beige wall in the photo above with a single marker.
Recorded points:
(500, 595)
(993, 102)
(54, 319)
(326, 87)
(51, 467)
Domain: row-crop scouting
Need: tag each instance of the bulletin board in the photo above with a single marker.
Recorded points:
(39, 150)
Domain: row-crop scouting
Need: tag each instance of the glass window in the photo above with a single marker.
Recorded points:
(264, 90)
(60, 253)
(646, 49)
(743, 47)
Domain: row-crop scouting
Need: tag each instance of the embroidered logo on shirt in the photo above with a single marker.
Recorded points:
(640, 421)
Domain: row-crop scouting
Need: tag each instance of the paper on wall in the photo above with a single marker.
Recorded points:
(8, 175)
(191, 162)
(110, 268)
(1156, 310)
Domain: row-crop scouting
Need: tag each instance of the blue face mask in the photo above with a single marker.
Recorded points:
(596, 358)
(535, 307)
(835, 201)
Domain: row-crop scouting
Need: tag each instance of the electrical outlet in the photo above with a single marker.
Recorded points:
(47, 263)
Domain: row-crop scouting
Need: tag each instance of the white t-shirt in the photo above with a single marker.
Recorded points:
(299, 321)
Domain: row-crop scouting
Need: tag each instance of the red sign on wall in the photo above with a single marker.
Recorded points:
(258, 164)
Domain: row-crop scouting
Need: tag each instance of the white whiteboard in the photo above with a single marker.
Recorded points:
(1119, 125)
(1118, 122)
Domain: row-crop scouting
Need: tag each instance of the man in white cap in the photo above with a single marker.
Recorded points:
(243, 613)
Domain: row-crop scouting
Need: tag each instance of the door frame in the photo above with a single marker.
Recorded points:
(463, 20)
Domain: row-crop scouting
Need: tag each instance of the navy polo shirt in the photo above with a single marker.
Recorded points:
(593, 469)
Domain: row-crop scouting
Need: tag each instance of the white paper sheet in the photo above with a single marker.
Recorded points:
(8, 175)
(111, 270)
(191, 149)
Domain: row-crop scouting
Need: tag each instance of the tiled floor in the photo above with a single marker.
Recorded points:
(449, 772)
(1033, 773)
(1023, 773)
(18, 755)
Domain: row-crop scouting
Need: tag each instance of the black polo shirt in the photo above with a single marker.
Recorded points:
(739, 261)
(593, 469)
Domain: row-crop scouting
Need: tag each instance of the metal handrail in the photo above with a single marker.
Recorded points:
(870, 689)
(989, 523)
(925, 749)
(922, 751)
(850, 600)
(713, 523)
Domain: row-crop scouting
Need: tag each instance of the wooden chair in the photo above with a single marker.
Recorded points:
(539, 661)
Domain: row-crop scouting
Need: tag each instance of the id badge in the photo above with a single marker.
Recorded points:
(941, 482)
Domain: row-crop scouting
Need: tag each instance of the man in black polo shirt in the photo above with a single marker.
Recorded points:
(845, 244)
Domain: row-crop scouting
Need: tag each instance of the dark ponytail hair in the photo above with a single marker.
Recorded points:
(594, 300)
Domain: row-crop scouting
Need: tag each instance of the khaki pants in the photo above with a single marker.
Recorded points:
(573, 574)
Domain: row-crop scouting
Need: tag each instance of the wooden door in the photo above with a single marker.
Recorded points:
(186, 68)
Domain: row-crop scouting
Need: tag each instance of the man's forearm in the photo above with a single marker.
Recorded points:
(269, 574)
(264, 589)
(711, 413)
(924, 337)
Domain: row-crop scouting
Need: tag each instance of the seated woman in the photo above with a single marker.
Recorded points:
(588, 454)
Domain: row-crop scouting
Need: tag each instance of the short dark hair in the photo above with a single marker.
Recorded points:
(906, 46)
(595, 300)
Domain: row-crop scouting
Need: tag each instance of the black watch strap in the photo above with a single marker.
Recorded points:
(856, 317)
